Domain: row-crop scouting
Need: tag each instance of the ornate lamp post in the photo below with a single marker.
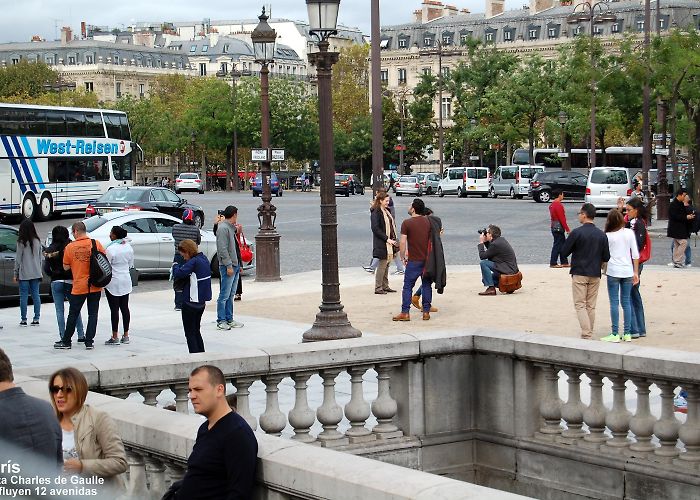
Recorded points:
(563, 118)
(331, 321)
(267, 241)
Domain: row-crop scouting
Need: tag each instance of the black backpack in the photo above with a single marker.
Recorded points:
(100, 268)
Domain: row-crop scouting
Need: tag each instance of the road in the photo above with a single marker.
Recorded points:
(524, 223)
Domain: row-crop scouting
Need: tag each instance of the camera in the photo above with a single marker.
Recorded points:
(482, 230)
(220, 212)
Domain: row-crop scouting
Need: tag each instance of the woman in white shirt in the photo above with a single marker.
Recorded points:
(622, 272)
(121, 256)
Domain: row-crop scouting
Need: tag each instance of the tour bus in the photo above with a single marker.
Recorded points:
(616, 156)
(55, 159)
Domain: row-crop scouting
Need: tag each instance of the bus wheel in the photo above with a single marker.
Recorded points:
(45, 207)
(29, 207)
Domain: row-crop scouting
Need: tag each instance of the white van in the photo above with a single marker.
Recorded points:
(464, 181)
(606, 184)
(513, 180)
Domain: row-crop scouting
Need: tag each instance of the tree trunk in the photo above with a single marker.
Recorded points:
(694, 168)
(229, 149)
(204, 167)
(465, 152)
(601, 138)
(531, 145)
(672, 143)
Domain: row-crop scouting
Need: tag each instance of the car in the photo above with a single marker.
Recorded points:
(408, 184)
(342, 184)
(275, 186)
(357, 187)
(429, 182)
(572, 184)
(606, 184)
(136, 198)
(189, 182)
(513, 180)
(150, 235)
(8, 250)
(464, 181)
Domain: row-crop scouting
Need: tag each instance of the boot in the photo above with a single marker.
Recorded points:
(402, 317)
(489, 291)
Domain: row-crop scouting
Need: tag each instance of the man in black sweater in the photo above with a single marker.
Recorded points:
(588, 247)
(497, 258)
(679, 223)
(223, 459)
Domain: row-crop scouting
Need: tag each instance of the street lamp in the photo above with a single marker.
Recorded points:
(59, 86)
(563, 118)
(331, 321)
(592, 13)
(235, 74)
(267, 241)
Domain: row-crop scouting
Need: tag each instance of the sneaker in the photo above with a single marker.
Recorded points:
(613, 337)
(178, 308)
(61, 345)
(398, 273)
(688, 265)
(223, 325)
(680, 404)
(670, 264)
(235, 324)
(627, 337)
(237, 296)
(35, 322)
(368, 269)
(125, 339)
(643, 334)
(23, 322)
(89, 346)
(112, 341)
(81, 339)
(635, 336)
(678, 266)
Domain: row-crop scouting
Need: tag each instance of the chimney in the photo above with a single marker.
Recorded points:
(36, 38)
(418, 16)
(450, 10)
(494, 7)
(66, 35)
(540, 5)
(432, 9)
(83, 30)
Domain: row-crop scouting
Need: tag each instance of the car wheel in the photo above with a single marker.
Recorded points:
(543, 197)
(512, 193)
(420, 192)
(45, 207)
(492, 193)
(255, 194)
(440, 193)
(484, 195)
(198, 220)
(460, 193)
(430, 191)
(347, 193)
(215, 267)
(29, 207)
(202, 191)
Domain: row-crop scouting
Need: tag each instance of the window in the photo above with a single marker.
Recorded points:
(224, 68)
(205, 48)
(456, 174)
(447, 40)
(117, 126)
(552, 32)
(78, 169)
(164, 225)
(123, 166)
(463, 39)
(171, 197)
(445, 72)
(15, 60)
(508, 173)
(402, 75)
(89, 87)
(71, 59)
(138, 226)
(662, 23)
(384, 77)
(383, 44)
(202, 69)
(446, 107)
(640, 25)
(193, 48)
(226, 48)
(158, 195)
(533, 34)
(427, 71)
(142, 90)
(615, 28)
(597, 30)
(508, 36)
(93, 124)
(75, 123)
(8, 240)
(427, 42)
(55, 123)
(606, 176)
(489, 36)
(402, 43)
(49, 60)
(118, 89)
(578, 30)
(88, 59)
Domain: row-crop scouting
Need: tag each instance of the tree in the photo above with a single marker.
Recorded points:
(26, 80)
(350, 87)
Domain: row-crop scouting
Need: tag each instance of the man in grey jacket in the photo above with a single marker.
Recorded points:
(497, 258)
(229, 269)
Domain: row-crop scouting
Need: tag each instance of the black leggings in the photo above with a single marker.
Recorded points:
(115, 305)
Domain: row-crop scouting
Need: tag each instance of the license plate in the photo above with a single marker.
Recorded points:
(471, 187)
(106, 210)
(608, 193)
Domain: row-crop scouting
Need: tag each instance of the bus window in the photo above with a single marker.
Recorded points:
(55, 123)
(58, 170)
(122, 167)
(93, 125)
(75, 123)
(113, 126)
(11, 121)
(36, 122)
(124, 125)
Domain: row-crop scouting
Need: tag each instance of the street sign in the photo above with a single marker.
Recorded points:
(258, 154)
(400, 147)
(473, 158)
(658, 137)
(277, 155)
(661, 151)
(563, 155)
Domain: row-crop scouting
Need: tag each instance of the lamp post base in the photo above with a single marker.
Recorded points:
(331, 325)
(662, 202)
(267, 255)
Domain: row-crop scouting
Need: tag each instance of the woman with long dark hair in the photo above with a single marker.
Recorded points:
(384, 243)
(61, 280)
(121, 256)
(637, 221)
(28, 270)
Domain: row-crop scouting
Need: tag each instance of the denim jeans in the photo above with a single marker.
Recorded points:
(619, 291)
(487, 277)
(27, 287)
(60, 290)
(93, 309)
(638, 323)
(557, 245)
(414, 270)
(224, 304)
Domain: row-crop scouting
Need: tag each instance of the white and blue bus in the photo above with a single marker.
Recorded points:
(55, 159)
(616, 156)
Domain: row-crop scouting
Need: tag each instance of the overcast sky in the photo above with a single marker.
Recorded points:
(20, 19)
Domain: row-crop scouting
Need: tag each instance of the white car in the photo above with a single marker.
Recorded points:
(150, 234)
(189, 182)
(607, 184)
(429, 182)
(408, 184)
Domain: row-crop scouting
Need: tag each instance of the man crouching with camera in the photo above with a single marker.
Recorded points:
(497, 258)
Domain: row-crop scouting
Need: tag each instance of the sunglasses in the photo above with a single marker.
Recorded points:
(66, 390)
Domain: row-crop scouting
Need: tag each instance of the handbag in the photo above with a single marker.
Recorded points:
(134, 274)
(246, 252)
(508, 283)
(556, 226)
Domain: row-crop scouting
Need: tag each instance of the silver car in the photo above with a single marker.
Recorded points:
(408, 184)
(150, 234)
(429, 182)
(189, 182)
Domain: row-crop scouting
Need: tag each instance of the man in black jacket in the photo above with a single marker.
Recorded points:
(679, 222)
(497, 258)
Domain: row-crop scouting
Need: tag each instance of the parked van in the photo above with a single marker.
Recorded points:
(606, 184)
(464, 181)
(513, 180)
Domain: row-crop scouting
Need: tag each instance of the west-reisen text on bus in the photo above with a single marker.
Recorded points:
(55, 159)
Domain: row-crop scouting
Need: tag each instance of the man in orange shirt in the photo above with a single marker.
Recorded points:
(76, 258)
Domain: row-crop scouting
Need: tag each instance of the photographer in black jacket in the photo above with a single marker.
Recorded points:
(497, 258)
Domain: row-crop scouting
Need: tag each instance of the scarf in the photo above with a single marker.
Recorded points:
(390, 229)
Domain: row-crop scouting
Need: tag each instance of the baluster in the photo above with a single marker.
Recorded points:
(156, 477)
(642, 423)
(357, 409)
(690, 430)
(273, 421)
(181, 399)
(550, 407)
(594, 415)
(150, 394)
(666, 428)
(572, 410)
(243, 404)
(120, 393)
(330, 413)
(136, 487)
(618, 418)
(174, 473)
(385, 407)
(301, 417)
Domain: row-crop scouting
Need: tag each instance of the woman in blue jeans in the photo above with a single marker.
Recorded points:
(28, 270)
(622, 272)
(61, 280)
(636, 221)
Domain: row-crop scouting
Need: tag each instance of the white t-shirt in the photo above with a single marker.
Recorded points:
(121, 256)
(69, 445)
(623, 248)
